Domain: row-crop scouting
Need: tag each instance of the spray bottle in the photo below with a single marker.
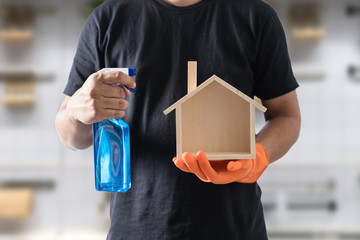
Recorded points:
(111, 139)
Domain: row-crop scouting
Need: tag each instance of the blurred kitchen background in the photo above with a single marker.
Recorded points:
(47, 191)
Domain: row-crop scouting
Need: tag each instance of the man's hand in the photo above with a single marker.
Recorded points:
(101, 97)
(225, 171)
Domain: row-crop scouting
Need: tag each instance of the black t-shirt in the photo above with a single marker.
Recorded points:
(242, 42)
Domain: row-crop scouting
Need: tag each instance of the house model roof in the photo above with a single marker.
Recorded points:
(212, 79)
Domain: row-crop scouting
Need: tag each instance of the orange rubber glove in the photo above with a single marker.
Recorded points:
(225, 171)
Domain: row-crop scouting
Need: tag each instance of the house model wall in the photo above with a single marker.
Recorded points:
(215, 118)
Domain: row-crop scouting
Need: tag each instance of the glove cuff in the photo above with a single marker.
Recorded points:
(261, 153)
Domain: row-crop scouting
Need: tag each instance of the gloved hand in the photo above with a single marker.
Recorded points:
(225, 171)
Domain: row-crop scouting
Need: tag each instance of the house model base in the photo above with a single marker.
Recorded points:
(215, 118)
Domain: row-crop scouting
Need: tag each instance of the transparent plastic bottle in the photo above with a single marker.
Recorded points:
(111, 139)
(112, 155)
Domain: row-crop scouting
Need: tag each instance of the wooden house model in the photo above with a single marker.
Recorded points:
(215, 118)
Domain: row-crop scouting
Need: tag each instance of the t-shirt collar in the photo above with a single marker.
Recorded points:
(176, 9)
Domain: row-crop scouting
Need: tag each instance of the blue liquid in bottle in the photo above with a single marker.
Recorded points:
(112, 155)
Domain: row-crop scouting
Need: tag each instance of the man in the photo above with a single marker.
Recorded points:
(241, 41)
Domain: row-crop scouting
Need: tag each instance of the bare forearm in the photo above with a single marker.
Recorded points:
(278, 135)
(283, 121)
(72, 133)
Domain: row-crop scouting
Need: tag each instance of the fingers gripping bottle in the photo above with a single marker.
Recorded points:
(111, 139)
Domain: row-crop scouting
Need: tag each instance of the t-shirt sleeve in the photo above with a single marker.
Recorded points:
(273, 72)
(88, 56)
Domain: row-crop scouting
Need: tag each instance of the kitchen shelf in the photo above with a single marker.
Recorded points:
(16, 35)
(21, 100)
(20, 85)
(21, 74)
(307, 33)
(33, 184)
